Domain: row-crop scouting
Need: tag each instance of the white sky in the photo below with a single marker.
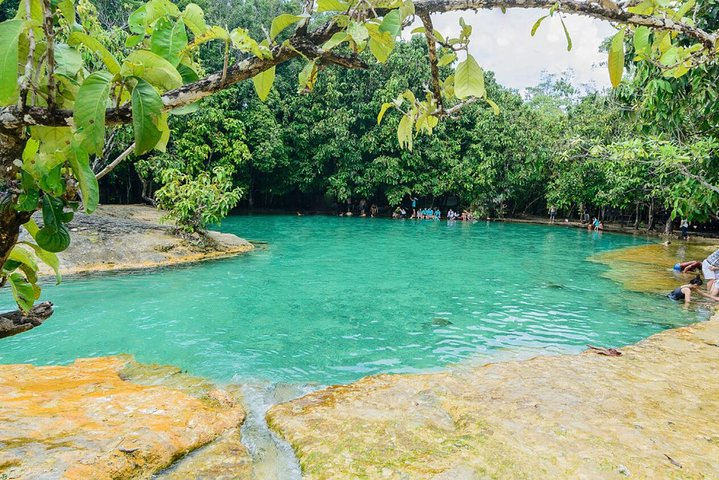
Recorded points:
(502, 43)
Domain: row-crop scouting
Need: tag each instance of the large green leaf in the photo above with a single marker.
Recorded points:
(469, 79)
(194, 18)
(48, 258)
(82, 38)
(642, 47)
(280, 22)
(263, 82)
(383, 110)
(136, 21)
(80, 164)
(391, 23)
(22, 255)
(152, 68)
(146, 110)
(188, 74)
(22, 291)
(9, 35)
(68, 61)
(616, 58)
(54, 235)
(332, 6)
(404, 132)
(90, 107)
(169, 39)
(381, 43)
(156, 9)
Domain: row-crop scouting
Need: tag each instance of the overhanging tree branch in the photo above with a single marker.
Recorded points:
(16, 117)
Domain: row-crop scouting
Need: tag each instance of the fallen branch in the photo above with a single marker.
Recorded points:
(12, 323)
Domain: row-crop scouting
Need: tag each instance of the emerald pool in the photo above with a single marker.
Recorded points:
(334, 299)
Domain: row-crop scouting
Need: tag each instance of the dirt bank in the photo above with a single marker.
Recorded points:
(124, 237)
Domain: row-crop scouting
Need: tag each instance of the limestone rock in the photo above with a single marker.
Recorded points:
(90, 420)
(653, 412)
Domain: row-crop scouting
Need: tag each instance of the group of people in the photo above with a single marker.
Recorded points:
(432, 213)
(709, 267)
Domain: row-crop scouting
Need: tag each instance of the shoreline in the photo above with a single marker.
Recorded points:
(126, 238)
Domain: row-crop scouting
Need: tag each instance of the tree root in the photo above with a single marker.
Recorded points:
(12, 323)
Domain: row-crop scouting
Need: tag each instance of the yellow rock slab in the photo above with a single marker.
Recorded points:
(651, 413)
(91, 420)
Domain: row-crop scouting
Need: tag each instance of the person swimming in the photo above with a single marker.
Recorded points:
(684, 292)
(685, 267)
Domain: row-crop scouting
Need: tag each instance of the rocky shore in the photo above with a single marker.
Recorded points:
(127, 237)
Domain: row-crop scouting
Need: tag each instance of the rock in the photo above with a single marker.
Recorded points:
(122, 237)
(570, 416)
(95, 419)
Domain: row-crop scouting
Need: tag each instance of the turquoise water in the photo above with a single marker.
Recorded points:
(334, 299)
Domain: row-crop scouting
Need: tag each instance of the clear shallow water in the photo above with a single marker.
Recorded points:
(334, 299)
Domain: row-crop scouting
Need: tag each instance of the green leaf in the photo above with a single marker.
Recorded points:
(81, 38)
(404, 133)
(391, 23)
(9, 35)
(381, 44)
(469, 79)
(146, 110)
(136, 21)
(494, 106)
(616, 58)
(283, 21)
(357, 31)
(54, 235)
(566, 34)
(168, 40)
(152, 68)
(133, 40)
(332, 6)
(641, 41)
(68, 61)
(263, 82)
(164, 133)
(336, 39)
(536, 25)
(308, 76)
(22, 255)
(383, 110)
(194, 18)
(79, 161)
(48, 258)
(447, 59)
(22, 291)
(90, 107)
(188, 74)
(212, 33)
(157, 9)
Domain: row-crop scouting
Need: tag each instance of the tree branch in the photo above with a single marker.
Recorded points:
(14, 117)
(115, 162)
(685, 171)
(432, 48)
(12, 323)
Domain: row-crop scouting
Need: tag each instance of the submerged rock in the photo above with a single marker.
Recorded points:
(108, 418)
(654, 412)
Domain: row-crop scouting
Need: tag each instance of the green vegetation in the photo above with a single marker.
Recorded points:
(418, 117)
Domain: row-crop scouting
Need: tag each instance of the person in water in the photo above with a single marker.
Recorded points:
(684, 292)
(710, 265)
(686, 267)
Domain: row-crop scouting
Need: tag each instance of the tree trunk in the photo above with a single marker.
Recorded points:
(12, 323)
(669, 226)
(12, 144)
(636, 217)
(650, 217)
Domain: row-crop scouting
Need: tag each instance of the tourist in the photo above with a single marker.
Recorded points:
(684, 292)
(684, 226)
(414, 206)
(451, 215)
(437, 214)
(709, 267)
(373, 210)
(552, 213)
(686, 267)
(362, 207)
